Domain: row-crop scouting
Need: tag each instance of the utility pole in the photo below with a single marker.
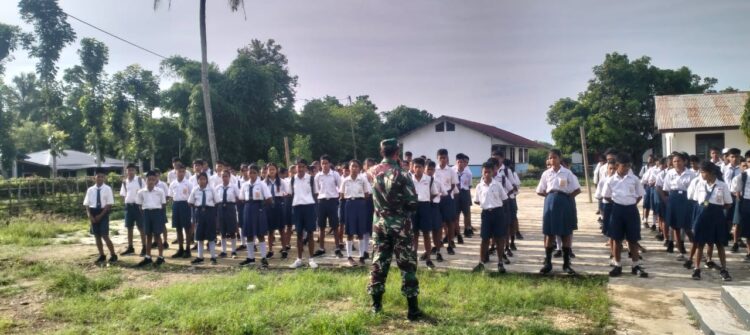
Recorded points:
(585, 162)
(351, 123)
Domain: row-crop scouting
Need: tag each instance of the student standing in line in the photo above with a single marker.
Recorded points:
(490, 196)
(424, 219)
(257, 198)
(302, 187)
(448, 180)
(164, 188)
(152, 203)
(463, 196)
(227, 195)
(202, 199)
(710, 224)
(179, 191)
(327, 183)
(98, 203)
(355, 188)
(276, 209)
(129, 191)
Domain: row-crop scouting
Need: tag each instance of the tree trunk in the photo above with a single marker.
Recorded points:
(54, 166)
(206, 87)
(98, 154)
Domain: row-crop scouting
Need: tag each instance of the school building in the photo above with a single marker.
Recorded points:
(71, 164)
(476, 140)
(694, 123)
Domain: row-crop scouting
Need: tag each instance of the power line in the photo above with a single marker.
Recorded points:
(115, 36)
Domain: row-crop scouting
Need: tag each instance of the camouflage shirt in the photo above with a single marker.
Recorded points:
(393, 194)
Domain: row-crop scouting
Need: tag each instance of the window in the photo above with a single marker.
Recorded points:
(512, 154)
(704, 142)
(440, 127)
(450, 126)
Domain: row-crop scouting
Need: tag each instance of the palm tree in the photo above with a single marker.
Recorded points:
(234, 5)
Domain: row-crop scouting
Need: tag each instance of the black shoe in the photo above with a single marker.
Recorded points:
(159, 261)
(670, 247)
(709, 265)
(377, 303)
(616, 271)
(263, 263)
(112, 259)
(166, 245)
(451, 251)
(468, 233)
(197, 261)
(659, 237)
(513, 246)
(506, 260)
(144, 262)
(445, 240)
(479, 267)
(195, 246)
(500, 268)
(366, 255)
(638, 270)
(460, 239)
(519, 236)
(284, 254)
(491, 250)
(223, 255)
(423, 257)
(247, 261)
(653, 227)
(414, 312)
(725, 275)
(572, 255)
(269, 254)
(213, 261)
(429, 264)
(128, 251)
(319, 252)
(569, 270)
(439, 257)
(508, 252)
(338, 253)
(434, 251)
(688, 265)
(353, 247)
(242, 247)
(557, 254)
(178, 254)
(362, 260)
(187, 254)
(234, 254)
(697, 274)
(154, 245)
(101, 259)
(143, 252)
(735, 247)
(546, 269)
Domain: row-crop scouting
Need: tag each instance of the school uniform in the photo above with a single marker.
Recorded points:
(97, 198)
(164, 188)
(179, 191)
(129, 191)
(559, 217)
(354, 191)
(203, 201)
(426, 217)
(303, 203)
(649, 191)
(255, 193)
(605, 206)
(625, 193)
(491, 198)
(369, 202)
(731, 172)
(743, 188)
(446, 177)
(286, 217)
(505, 178)
(462, 193)
(512, 201)
(275, 212)
(678, 205)
(657, 180)
(710, 224)
(172, 176)
(693, 204)
(226, 197)
(240, 208)
(327, 185)
(152, 203)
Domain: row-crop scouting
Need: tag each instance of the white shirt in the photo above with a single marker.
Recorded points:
(303, 193)
(129, 189)
(464, 178)
(233, 193)
(730, 172)
(597, 176)
(255, 191)
(737, 186)
(599, 193)
(490, 196)
(197, 196)
(422, 187)
(163, 187)
(277, 190)
(506, 181)
(720, 196)
(562, 180)
(446, 177)
(355, 188)
(625, 191)
(172, 176)
(439, 189)
(327, 184)
(180, 190)
(194, 181)
(678, 182)
(659, 180)
(105, 196)
(153, 199)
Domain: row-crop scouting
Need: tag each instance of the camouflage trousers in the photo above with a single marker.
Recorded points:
(390, 242)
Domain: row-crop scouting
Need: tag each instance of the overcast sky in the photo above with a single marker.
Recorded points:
(497, 62)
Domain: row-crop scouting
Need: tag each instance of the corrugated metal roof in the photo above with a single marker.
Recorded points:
(72, 160)
(690, 111)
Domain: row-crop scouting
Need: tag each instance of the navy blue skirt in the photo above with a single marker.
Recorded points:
(256, 223)
(679, 210)
(513, 210)
(559, 217)
(227, 216)
(710, 225)
(649, 193)
(656, 204)
(275, 214)
(205, 219)
(356, 217)
(342, 210)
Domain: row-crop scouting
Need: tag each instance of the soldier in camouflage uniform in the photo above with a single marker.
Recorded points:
(395, 199)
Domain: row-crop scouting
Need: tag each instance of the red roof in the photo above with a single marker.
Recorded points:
(495, 132)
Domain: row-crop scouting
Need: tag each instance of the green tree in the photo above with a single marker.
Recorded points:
(140, 88)
(94, 55)
(27, 97)
(28, 137)
(274, 157)
(10, 38)
(7, 144)
(403, 119)
(301, 147)
(56, 141)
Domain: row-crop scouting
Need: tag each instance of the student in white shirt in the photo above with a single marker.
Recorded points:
(302, 188)
(179, 191)
(731, 171)
(275, 211)
(327, 183)
(741, 222)
(463, 196)
(558, 186)
(437, 230)
(424, 219)
(710, 226)
(172, 174)
(355, 188)
(129, 190)
(490, 196)
(257, 198)
(287, 226)
(448, 180)
(98, 203)
(202, 200)
(624, 191)
(227, 195)
(164, 188)
(241, 178)
(605, 206)
(152, 202)
(676, 183)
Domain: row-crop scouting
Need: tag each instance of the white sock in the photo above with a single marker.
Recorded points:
(617, 263)
(200, 249)
(365, 242)
(262, 249)
(224, 246)
(349, 248)
(244, 240)
(558, 239)
(653, 219)
(362, 247)
(212, 248)
(251, 249)
(234, 245)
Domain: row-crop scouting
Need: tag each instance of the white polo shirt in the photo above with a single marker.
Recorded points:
(255, 190)
(446, 177)
(562, 180)
(327, 184)
(490, 195)
(153, 199)
(233, 193)
(355, 188)
(623, 191)
(105, 196)
(422, 187)
(180, 190)
(302, 191)
(129, 189)
(198, 194)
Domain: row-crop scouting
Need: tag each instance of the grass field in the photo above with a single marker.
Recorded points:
(75, 297)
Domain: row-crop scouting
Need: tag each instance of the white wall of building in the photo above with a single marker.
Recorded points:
(426, 141)
(685, 141)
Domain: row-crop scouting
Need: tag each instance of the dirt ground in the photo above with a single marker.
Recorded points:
(641, 306)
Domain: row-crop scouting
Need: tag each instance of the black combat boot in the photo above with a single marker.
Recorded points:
(377, 303)
(547, 261)
(566, 261)
(414, 312)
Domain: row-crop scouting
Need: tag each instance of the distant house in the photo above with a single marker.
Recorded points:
(476, 140)
(72, 164)
(694, 123)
